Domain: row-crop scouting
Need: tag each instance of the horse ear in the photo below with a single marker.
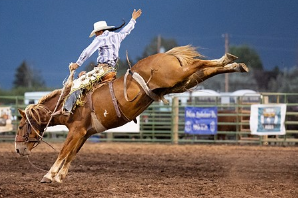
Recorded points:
(22, 113)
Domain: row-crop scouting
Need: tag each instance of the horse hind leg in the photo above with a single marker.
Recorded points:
(225, 59)
(237, 67)
(228, 58)
(221, 62)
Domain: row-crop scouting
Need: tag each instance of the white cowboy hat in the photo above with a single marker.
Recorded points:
(100, 25)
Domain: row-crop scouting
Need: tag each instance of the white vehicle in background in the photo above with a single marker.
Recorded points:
(33, 97)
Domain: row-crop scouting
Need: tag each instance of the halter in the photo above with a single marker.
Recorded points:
(30, 126)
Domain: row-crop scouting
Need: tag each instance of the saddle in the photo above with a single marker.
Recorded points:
(91, 81)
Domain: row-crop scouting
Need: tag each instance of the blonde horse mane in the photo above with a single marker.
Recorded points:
(49, 96)
(185, 54)
(35, 110)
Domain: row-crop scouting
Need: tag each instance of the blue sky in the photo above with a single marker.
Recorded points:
(49, 34)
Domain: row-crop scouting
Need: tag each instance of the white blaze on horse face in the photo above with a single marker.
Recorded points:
(105, 113)
(22, 149)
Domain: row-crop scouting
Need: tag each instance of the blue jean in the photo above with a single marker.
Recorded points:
(71, 100)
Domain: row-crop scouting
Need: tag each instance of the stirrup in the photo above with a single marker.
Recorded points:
(61, 112)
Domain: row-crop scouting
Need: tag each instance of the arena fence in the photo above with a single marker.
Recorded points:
(165, 123)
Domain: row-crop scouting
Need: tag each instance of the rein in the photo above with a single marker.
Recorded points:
(40, 137)
(37, 140)
(35, 165)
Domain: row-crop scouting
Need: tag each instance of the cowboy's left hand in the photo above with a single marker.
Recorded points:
(73, 66)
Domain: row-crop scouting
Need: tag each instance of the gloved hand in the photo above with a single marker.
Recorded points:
(73, 66)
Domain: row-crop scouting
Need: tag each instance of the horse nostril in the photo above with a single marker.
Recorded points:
(17, 150)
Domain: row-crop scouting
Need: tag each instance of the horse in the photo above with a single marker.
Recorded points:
(118, 101)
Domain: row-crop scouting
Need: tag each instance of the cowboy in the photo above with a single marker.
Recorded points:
(107, 42)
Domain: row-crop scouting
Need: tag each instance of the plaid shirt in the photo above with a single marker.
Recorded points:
(108, 45)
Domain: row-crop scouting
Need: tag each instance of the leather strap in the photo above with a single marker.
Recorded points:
(143, 84)
(96, 124)
(114, 99)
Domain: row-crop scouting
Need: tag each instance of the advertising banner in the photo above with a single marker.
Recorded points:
(5, 119)
(201, 120)
(268, 119)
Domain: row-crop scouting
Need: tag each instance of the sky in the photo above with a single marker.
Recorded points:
(49, 34)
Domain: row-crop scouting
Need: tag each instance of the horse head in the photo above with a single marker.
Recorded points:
(36, 117)
(31, 127)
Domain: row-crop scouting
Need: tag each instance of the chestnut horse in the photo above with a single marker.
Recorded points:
(118, 102)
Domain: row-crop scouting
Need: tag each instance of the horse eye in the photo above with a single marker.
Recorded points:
(20, 127)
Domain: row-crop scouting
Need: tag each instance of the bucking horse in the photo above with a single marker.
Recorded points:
(117, 102)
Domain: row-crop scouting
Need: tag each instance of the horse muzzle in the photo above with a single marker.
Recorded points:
(22, 149)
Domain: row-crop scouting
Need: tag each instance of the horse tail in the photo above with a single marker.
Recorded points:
(185, 54)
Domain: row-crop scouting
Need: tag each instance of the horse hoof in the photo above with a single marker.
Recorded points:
(243, 67)
(45, 180)
(231, 57)
(58, 179)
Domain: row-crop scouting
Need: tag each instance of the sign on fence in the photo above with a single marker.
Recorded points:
(268, 119)
(201, 120)
(5, 119)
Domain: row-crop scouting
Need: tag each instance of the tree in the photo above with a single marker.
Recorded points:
(236, 81)
(122, 66)
(248, 56)
(286, 81)
(158, 43)
(25, 76)
(253, 61)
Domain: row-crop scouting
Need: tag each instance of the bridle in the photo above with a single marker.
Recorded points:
(26, 137)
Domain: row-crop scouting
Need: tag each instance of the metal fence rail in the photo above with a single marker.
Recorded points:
(165, 123)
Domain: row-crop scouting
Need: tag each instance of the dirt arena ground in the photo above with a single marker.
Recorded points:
(155, 170)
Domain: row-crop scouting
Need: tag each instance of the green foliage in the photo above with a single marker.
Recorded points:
(19, 91)
(251, 58)
(122, 67)
(27, 77)
(248, 56)
(264, 77)
(286, 81)
(236, 81)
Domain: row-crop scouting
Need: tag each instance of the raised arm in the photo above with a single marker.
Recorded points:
(136, 14)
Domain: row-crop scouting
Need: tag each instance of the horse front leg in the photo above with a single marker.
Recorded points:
(74, 138)
(48, 178)
(64, 169)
